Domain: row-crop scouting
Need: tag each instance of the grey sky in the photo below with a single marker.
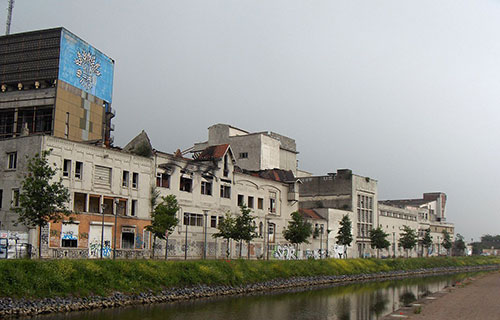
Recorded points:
(406, 92)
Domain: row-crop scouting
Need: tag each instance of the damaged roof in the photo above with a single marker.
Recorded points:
(274, 174)
(310, 214)
(405, 202)
(212, 153)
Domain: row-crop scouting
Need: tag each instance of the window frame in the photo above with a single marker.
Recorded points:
(12, 160)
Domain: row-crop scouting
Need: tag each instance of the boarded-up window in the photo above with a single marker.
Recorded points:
(102, 176)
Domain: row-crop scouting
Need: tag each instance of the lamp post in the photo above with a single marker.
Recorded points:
(115, 211)
(186, 219)
(102, 228)
(394, 244)
(321, 241)
(205, 214)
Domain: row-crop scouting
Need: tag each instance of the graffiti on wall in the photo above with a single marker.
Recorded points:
(316, 254)
(95, 249)
(284, 252)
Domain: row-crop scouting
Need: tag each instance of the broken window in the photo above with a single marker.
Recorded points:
(66, 167)
(107, 206)
(135, 180)
(241, 200)
(272, 202)
(121, 207)
(260, 203)
(15, 198)
(80, 202)
(163, 180)
(250, 202)
(225, 191)
(12, 160)
(128, 237)
(213, 221)
(125, 178)
(6, 123)
(94, 204)
(185, 184)
(206, 188)
(133, 208)
(78, 170)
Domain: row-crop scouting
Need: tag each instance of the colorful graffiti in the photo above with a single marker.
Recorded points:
(95, 249)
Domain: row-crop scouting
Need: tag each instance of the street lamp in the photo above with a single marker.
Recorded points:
(102, 228)
(205, 214)
(394, 244)
(186, 223)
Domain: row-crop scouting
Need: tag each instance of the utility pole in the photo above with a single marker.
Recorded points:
(9, 17)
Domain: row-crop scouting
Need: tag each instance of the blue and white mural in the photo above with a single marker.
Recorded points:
(85, 67)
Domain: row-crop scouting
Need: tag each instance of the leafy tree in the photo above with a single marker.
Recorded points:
(244, 228)
(459, 245)
(446, 241)
(40, 199)
(298, 229)
(378, 239)
(408, 239)
(344, 236)
(226, 230)
(164, 220)
(427, 240)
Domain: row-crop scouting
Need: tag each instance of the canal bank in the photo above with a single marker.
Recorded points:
(28, 307)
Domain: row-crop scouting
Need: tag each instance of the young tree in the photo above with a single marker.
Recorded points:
(298, 230)
(164, 220)
(446, 241)
(408, 239)
(459, 245)
(40, 199)
(226, 229)
(344, 236)
(427, 241)
(378, 239)
(244, 228)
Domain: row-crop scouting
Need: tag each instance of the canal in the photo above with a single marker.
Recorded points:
(362, 301)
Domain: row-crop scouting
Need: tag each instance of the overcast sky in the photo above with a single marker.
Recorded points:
(406, 92)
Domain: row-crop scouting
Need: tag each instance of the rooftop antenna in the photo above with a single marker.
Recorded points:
(9, 16)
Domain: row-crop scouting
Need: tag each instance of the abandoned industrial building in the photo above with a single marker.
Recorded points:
(56, 94)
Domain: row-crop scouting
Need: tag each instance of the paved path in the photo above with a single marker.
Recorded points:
(479, 299)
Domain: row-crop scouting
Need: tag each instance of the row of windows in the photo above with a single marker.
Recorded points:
(90, 203)
(196, 219)
(260, 202)
(398, 215)
(364, 230)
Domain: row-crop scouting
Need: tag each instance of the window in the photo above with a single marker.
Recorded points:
(12, 160)
(94, 204)
(102, 176)
(69, 235)
(206, 188)
(163, 180)
(66, 167)
(250, 202)
(135, 180)
(241, 200)
(78, 170)
(186, 184)
(80, 202)
(121, 207)
(133, 208)
(15, 198)
(221, 219)
(260, 203)
(125, 178)
(193, 219)
(261, 226)
(272, 202)
(271, 227)
(128, 236)
(225, 191)
(226, 167)
(243, 155)
(213, 221)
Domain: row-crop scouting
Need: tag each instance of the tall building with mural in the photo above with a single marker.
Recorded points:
(55, 83)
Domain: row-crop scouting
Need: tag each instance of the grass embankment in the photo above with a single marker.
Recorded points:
(32, 278)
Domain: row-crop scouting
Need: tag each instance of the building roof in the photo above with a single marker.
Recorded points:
(405, 202)
(310, 214)
(274, 174)
(212, 153)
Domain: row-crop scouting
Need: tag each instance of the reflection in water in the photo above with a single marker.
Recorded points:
(364, 301)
